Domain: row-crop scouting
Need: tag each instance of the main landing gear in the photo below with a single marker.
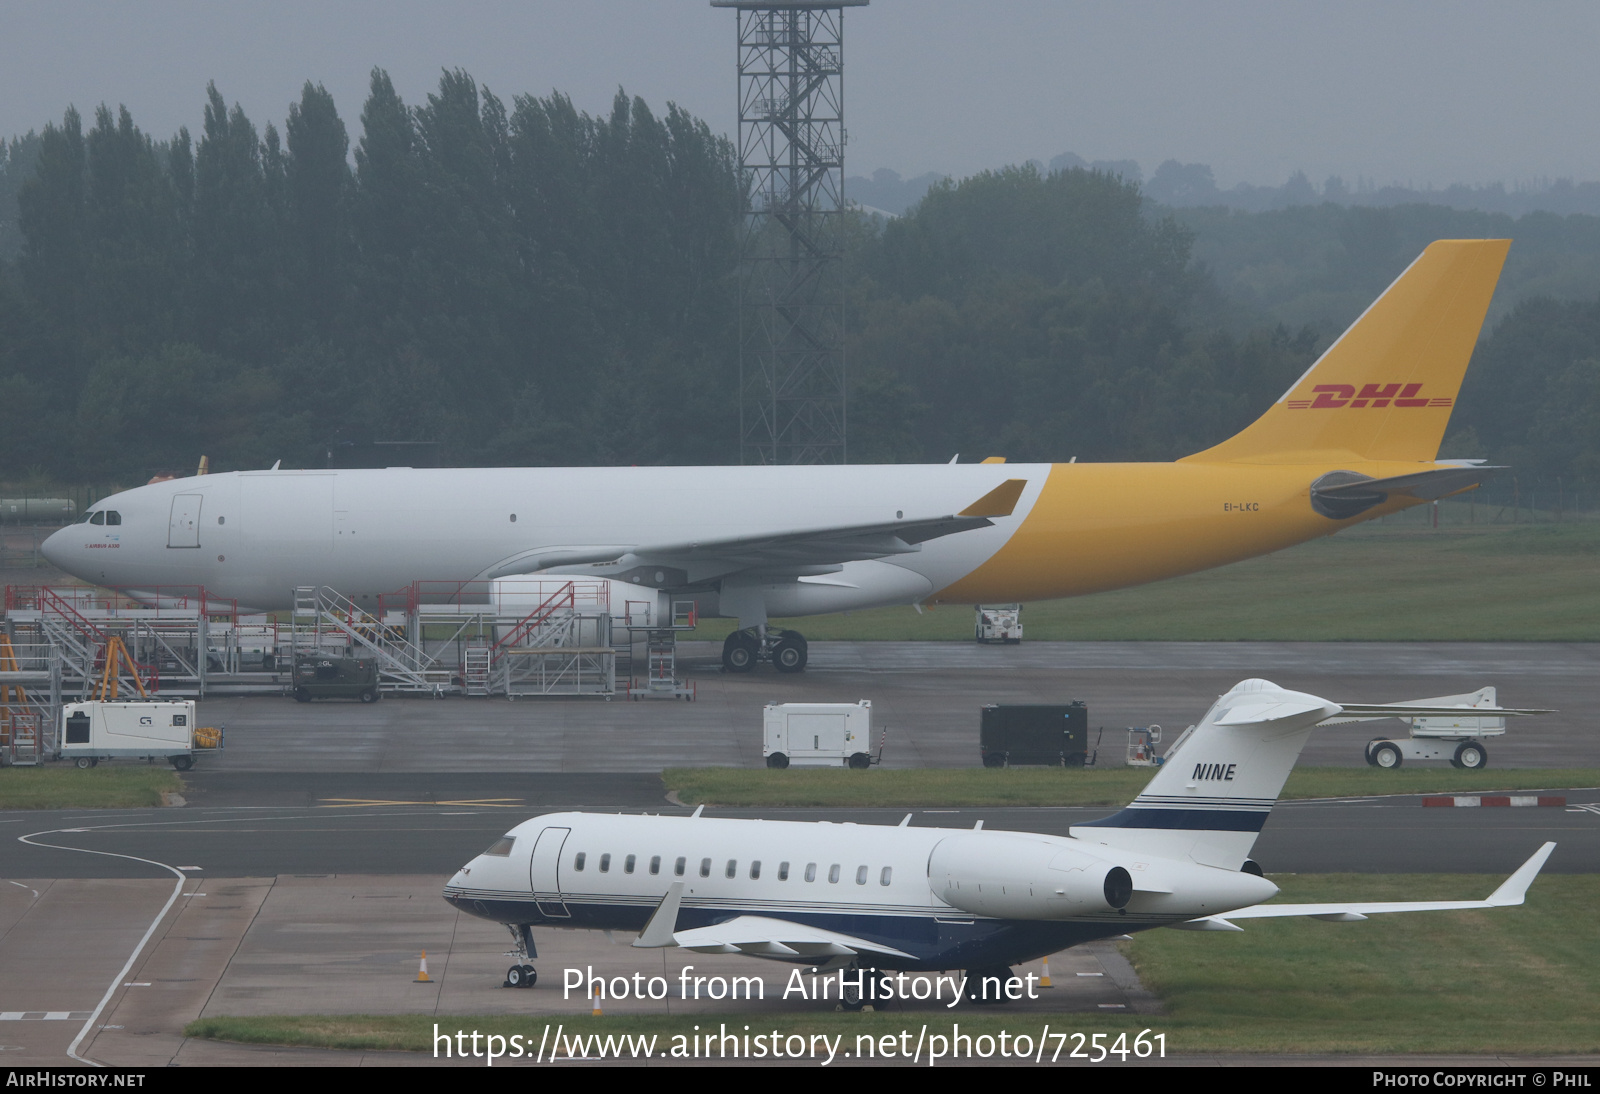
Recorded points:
(521, 975)
(785, 649)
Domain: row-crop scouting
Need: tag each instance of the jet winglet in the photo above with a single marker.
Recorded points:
(657, 933)
(998, 502)
(1515, 887)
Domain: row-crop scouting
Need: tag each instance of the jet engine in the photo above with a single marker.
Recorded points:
(1022, 877)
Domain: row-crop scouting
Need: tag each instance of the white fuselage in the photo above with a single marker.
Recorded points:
(946, 898)
(257, 535)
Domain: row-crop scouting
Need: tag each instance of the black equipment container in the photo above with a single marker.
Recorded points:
(1055, 735)
(319, 676)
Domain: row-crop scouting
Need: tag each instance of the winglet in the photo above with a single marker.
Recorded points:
(657, 933)
(1515, 887)
(998, 502)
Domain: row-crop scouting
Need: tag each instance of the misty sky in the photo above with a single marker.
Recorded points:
(1411, 92)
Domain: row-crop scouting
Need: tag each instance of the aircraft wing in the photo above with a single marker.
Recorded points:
(761, 936)
(1510, 893)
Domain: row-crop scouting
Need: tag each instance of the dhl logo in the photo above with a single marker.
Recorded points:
(1334, 396)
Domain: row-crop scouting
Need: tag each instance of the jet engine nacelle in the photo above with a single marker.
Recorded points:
(1022, 877)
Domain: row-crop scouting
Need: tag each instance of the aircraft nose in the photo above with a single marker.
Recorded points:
(54, 547)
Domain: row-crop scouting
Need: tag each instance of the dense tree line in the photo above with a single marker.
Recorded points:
(522, 284)
(527, 284)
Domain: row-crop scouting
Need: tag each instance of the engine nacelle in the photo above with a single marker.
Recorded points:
(1024, 877)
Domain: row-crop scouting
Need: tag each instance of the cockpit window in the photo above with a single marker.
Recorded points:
(86, 518)
(113, 517)
(501, 846)
(99, 517)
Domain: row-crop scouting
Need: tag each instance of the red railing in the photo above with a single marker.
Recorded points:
(185, 601)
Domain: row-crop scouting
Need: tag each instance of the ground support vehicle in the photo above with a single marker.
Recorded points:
(1055, 735)
(1442, 738)
(819, 735)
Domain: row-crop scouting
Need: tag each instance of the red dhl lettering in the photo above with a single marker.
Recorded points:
(1335, 396)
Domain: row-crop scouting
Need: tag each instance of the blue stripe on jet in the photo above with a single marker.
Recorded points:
(1193, 820)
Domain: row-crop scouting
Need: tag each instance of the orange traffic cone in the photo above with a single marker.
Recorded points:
(596, 1012)
(1044, 981)
(422, 971)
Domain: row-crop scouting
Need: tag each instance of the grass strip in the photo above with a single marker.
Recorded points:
(1510, 980)
(1400, 580)
(1112, 786)
(109, 786)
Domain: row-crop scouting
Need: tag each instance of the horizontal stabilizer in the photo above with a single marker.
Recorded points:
(1425, 485)
(1510, 893)
(1371, 712)
(762, 936)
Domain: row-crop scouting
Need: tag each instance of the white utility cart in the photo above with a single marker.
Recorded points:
(149, 730)
(1437, 737)
(998, 623)
(818, 734)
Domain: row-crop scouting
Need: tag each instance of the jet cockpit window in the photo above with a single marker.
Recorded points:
(501, 846)
(99, 517)
(113, 517)
(85, 519)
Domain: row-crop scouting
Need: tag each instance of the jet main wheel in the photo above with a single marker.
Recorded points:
(850, 997)
(1470, 755)
(790, 654)
(739, 652)
(521, 976)
(1386, 754)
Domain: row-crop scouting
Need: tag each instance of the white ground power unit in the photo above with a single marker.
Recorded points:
(1442, 738)
(91, 732)
(818, 734)
(998, 623)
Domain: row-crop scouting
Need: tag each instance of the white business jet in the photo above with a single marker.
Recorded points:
(839, 896)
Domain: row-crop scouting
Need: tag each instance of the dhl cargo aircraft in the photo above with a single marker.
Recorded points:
(847, 897)
(1354, 438)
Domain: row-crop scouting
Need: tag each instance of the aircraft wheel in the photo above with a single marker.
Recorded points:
(521, 976)
(790, 654)
(778, 761)
(1370, 745)
(1471, 756)
(301, 695)
(850, 997)
(182, 763)
(739, 652)
(1386, 755)
(860, 761)
(370, 695)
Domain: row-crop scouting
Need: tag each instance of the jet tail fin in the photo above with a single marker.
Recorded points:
(1220, 779)
(1385, 389)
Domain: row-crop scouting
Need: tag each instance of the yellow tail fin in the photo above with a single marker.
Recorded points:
(1385, 389)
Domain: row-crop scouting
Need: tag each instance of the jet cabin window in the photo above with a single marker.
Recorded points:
(811, 871)
(605, 864)
(755, 870)
(833, 874)
(627, 863)
(705, 867)
(655, 864)
(783, 871)
(861, 875)
(888, 873)
(577, 863)
(733, 867)
(677, 867)
(502, 846)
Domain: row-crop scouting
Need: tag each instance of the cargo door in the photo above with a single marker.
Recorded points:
(183, 527)
(544, 873)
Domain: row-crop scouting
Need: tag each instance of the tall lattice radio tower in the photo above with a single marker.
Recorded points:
(792, 394)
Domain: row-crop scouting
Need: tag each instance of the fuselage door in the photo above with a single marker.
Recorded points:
(184, 527)
(544, 872)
